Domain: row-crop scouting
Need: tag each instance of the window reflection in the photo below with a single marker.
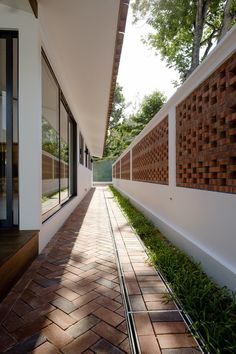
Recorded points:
(58, 137)
(64, 153)
(50, 140)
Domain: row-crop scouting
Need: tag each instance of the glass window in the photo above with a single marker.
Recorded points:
(64, 153)
(50, 140)
(58, 146)
(81, 149)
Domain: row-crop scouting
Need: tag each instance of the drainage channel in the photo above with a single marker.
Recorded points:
(132, 335)
(187, 320)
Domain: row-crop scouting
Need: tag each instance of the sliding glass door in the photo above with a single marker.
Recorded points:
(58, 145)
(8, 129)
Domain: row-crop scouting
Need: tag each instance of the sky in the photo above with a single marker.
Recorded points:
(141, 71)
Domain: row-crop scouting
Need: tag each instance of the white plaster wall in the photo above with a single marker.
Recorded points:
(202, 223)
(29, 114)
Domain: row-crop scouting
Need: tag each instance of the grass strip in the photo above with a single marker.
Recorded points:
(212, 309)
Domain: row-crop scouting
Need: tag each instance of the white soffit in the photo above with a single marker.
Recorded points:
(79, 37)
(18, 4)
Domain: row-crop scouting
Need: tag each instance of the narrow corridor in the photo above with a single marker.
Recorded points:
(71, 298)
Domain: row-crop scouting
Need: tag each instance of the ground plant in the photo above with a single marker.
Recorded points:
(212, 309)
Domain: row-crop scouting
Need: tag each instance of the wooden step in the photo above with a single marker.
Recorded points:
(17, 251)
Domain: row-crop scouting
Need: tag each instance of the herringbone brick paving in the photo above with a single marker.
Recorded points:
(70, 302)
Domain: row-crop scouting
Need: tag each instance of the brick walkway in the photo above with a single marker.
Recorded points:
(69, 301)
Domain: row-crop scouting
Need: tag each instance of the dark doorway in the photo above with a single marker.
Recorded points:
(8, 129)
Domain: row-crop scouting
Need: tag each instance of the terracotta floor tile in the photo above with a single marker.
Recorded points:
(169, 341)
(12, 322)
(61, 319)
(149, 345)
(31, 328)
(27, 345)
(169, 327)
(21, 308)
(133, 288)
(137, 303)
(110, 333)
(166, 316)
(83, 326)
(104, 347)
(85, 310)
(125, 346)
(153, 297)
(56, 335)
(109, 316)
(82, 343)
(64, 305)
(143, 324)
(123, 327)
(182, 351)
(108, 303)
(6, 340)
(160, 305)
(46, 348)
(67, 294)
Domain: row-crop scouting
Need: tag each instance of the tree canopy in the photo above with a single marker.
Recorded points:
(185, 31)
(123, 128)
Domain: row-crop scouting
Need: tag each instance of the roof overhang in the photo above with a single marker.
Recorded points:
(83, 41)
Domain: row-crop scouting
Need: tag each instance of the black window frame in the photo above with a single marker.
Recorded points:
(10, 35)
(81, 149)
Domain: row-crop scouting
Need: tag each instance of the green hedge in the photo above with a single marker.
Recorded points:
(212, 309)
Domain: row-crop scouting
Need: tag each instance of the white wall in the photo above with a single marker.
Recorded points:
(29, 114)
(202, 223)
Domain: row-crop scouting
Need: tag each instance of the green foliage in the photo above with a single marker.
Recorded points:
(150, 105)
(174, 24)
(212, 309)
(50, 142)
(123, 129)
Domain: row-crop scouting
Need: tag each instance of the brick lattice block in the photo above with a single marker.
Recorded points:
(206, 133)
(125, 166)
(117, 169)
(150, 156)
(114, 171)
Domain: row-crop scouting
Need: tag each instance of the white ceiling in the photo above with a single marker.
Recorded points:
(17, 4)
(79, 38)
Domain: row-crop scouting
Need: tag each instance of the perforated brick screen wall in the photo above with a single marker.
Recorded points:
(206, 133)
(118, 169)
(125, 166)
(150, 156)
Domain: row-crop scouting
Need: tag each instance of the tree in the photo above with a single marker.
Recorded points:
(117, 116)
(186, 30)
(123, 129)
(149, 106)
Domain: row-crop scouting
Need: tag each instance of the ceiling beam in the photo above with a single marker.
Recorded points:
(122, 17)
(34, 6)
